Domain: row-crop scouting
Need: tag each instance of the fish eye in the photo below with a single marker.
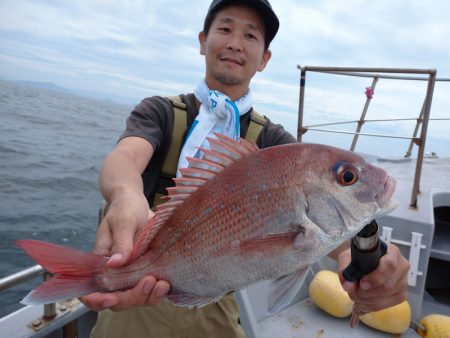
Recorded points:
(346, 173)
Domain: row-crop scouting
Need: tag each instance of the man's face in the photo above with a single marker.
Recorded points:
(234, 48)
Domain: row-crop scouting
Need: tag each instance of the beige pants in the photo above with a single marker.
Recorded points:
(216, 320)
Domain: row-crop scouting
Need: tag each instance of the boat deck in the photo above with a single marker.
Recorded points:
(305, 319)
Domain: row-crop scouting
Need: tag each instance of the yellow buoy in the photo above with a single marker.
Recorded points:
(394, 319)
(437, 326)
(327, 293)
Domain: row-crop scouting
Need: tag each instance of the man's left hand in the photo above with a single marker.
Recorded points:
(384, 287)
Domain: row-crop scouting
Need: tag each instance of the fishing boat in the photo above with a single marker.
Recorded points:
(419, 226)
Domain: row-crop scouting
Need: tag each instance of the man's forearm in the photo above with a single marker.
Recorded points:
(119, 176)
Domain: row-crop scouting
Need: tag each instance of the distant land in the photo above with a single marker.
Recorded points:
(45, 85)
(85, 93)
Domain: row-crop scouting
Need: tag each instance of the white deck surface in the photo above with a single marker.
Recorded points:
(305, 320)
(435, 181)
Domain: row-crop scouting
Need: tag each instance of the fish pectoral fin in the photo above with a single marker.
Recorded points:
(283, 290)
(190, 300)
(268, 244)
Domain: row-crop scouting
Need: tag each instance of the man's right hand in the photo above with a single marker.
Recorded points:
(115, 238)
(147, 292)
(123, 220)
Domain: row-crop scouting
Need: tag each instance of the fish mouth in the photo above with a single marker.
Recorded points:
(383, 197)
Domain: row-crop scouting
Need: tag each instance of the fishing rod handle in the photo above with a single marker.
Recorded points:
(366, 251)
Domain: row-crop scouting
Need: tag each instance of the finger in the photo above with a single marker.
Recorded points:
(380, 298)
(99, 301)
(350, 287)
(377, 304)
(151, 214)
(122, 244)
(354, 320)
(392, 267)
(103, 241)
(385, 270)
(386, 290)
(344, 259)
(136, 296)
(158, 293)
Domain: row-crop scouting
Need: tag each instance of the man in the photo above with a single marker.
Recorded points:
(235, 42)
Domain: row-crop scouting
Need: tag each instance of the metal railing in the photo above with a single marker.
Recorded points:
(24, 276)
(28, 321)
(51, 315)
(376, 74)
(21, 277)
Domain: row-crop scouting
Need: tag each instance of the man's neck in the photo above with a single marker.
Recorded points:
(234, 92)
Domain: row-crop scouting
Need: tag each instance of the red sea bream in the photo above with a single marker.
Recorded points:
(238, 216)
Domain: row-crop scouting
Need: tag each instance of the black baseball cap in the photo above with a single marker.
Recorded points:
(262, 6)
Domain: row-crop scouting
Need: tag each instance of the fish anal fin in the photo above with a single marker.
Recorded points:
(282, 291)
(190, 301)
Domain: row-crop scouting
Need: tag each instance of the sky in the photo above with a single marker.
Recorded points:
(133, 49)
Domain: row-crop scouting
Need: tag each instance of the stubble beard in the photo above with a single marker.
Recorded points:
(227, 79)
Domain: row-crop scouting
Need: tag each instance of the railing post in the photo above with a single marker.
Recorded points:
(70, 330)
(416, 129)
(423, 137)
(49, 309)
(301, 103)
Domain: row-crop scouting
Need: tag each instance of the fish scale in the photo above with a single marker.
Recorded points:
(239, 216)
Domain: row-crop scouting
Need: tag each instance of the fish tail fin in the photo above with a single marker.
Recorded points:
(74, 271)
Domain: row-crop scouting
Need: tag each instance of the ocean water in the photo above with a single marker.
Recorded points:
(51, 149)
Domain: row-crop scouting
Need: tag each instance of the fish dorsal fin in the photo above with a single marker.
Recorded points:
(224, 151)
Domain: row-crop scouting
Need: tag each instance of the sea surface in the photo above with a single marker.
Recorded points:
(51, 149)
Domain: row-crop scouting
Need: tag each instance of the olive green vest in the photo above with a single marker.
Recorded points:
(169, 168)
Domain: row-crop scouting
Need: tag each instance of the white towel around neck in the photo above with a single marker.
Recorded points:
(217, 114)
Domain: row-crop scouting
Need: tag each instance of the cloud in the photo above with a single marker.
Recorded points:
(71, 21)
(34, 65)
(139, 48)
(364, 33)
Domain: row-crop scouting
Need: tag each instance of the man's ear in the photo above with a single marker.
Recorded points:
(265, 59)
(202, 39)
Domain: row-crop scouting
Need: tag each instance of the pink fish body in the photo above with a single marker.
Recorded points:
(238, 216)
